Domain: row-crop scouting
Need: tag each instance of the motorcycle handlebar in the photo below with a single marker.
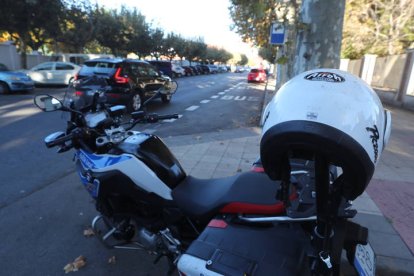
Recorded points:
(59, 141)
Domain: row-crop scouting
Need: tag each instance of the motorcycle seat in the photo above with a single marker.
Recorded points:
(248, 193)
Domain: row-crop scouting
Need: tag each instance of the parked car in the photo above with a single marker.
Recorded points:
(206, 69)
(188, 71)
(201, 69)
(11, 81)
(257, 75)
(177, 70)
(131, 81)
(213, 68)
(62, 73)
(164, 66)
(222, 68)
(195, 70)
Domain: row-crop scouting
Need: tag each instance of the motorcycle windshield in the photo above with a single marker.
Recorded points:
(81, 93)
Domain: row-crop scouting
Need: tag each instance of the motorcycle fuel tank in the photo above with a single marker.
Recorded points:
(152, 151)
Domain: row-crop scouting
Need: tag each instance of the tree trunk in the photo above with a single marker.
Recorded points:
(318, 45)
(23, 54)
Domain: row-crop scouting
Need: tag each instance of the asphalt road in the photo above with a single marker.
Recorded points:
(29, 172)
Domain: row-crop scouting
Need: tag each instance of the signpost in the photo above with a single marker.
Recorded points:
(277, 33)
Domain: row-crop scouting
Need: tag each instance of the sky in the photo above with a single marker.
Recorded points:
(209, 19)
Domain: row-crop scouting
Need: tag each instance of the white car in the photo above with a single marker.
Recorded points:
(178, 71)
(54, 72)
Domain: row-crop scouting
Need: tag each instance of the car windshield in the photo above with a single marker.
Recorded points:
(81, 92)
(254, 71)
(98, 68)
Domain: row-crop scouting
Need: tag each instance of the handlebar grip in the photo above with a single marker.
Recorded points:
(59, 141)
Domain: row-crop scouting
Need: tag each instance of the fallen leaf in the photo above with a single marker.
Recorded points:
(239, 170)
(88, 232)
(78, 263)
(112, 260)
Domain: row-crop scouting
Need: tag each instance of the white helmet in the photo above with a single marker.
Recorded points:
(328, 112)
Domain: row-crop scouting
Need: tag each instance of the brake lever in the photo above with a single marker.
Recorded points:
(64, 148)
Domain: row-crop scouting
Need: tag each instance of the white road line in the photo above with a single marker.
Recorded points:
(214, 97)
(192, 108)
(204, 101)
(221, 93)
(169, 120)
(149, 130)
(180, 116)
(227, 90)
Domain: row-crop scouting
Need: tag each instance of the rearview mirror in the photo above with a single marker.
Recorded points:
(47, 103)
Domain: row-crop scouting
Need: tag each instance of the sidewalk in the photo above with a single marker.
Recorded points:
(386, 208)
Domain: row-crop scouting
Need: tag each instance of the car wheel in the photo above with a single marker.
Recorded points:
(70, 80)
(166, 98)
(135, 102)
(4, 88)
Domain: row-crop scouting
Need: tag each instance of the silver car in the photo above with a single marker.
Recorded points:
(54, 72)
(11, 81)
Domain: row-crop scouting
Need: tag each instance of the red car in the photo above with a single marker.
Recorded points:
(257, 75)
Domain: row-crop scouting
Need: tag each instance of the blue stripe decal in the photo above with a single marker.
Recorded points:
(99, 161)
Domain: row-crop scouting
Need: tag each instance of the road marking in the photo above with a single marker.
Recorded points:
(192, 108)
(214, 97)
(227, 97)
(253, 99)
(204, 101)
(240, 98)
(149, 130)
(221, 93)
(227, 90)
(169, 120)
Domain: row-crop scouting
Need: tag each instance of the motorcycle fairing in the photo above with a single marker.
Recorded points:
(254, 193)
(130, 166)
(95, 161)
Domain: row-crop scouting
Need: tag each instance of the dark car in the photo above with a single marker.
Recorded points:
(188, 71)
(205, 68)
(131, 81)
(195, 70)
(164, 66)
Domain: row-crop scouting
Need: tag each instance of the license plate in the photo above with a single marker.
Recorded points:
(364, 260)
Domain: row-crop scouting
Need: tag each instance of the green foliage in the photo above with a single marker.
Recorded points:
(268, 53)
(243, 61)
(377, 27)
(79, 26)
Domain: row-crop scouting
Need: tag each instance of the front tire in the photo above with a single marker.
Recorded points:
(135, 103)
(4, 88)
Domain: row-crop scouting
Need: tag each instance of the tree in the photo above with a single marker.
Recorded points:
(136, 32)
(319, 42)
(243, 61)
(109, 31)
(76, 28)
(195, 49)
(382, 27)
(311, 41)
(25, 22)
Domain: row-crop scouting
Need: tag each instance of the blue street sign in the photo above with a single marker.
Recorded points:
(277, 34)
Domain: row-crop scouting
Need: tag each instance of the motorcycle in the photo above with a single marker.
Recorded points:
(243, 224)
